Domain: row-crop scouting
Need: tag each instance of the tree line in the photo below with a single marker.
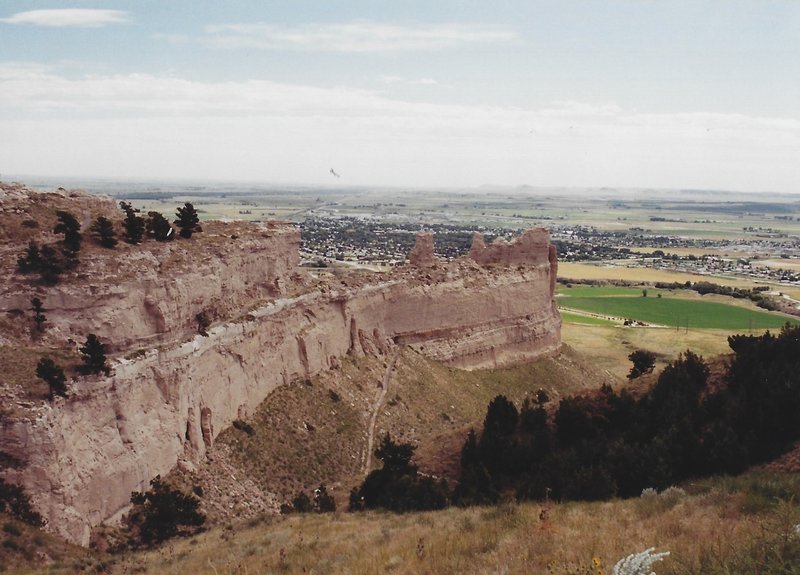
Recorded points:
(608, 444)
(50, 261)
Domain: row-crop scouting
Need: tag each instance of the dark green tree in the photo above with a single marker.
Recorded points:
(15, 502)
(501, 417)
(51, 265)
(323, 501)
(398, 486)
(187, 220)
(134, 225)
(163, 512)
(496, 443)
(643, 362)
(94, 356)
(159, 228)
(38, 313)
(31, 260)
(475, 487)
(764, 391)
(103, 231)
(396, 457)
(301, 503)
(53, 375)
(71, 244)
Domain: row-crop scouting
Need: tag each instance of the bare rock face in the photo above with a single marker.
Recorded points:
(166, 402)
(421, 254)
(532, 247)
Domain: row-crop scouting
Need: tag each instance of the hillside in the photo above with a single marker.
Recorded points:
(317, 432)
(742, 525)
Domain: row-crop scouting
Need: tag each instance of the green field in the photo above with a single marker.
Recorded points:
(671, 311)
(585, 319)
(604, 291)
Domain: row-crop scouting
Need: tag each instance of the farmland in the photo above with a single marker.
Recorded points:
(665, 308)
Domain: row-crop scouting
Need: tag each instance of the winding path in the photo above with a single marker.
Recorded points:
(387, 377)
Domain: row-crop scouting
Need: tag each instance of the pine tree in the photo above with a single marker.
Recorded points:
(71, 244)
(38, 315)
(643, 362)
(31, 260)
(188, 220)
(159, 227)
(94, 356)
(103, 231)
(51, 265)
(53, 375)
(164, 512)
(134, 225)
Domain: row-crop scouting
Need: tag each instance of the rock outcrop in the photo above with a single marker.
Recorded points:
(165, 403)
(531, 248)
(421, 254)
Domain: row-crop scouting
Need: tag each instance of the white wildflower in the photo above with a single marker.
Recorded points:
(638, 563)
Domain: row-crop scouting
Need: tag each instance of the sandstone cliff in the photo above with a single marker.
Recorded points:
(166, 402)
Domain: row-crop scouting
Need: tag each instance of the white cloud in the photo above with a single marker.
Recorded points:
(174, 39)
(357, 36)
(163, 126)
(389, 79)
(68, 17)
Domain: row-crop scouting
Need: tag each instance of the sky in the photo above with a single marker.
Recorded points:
(699, 94)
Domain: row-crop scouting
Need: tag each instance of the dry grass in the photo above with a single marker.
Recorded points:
(22, 547)
(315, 432)
(710, 526)
(19, 368)
(571, 270)
(640, 274)
(609, 347)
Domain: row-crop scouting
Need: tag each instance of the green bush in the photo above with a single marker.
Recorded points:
(163, 512)
(15, 502)
(398, 486)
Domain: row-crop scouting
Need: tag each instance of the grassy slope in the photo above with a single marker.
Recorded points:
(433, 406)
(316, 432)
(22, 546)
(730, 526)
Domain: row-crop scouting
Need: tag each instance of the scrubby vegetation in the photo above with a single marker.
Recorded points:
(39, 318)
(158, 227)
(103, 231)
(53, 375)
(600, 445)
(187, 220)
(93, 352)
(643, 361)
(398, 486)
(133, 224)
(321, 502)
(161, 513)
(15, 502)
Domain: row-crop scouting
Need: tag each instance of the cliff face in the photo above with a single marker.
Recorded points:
(165, 403)
(152, 296)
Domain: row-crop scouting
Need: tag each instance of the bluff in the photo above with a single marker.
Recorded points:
(172, 389)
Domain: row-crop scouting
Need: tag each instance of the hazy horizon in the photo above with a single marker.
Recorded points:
(617, 94)
(193, 186)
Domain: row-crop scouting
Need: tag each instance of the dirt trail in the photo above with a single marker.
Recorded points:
(387, 377)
